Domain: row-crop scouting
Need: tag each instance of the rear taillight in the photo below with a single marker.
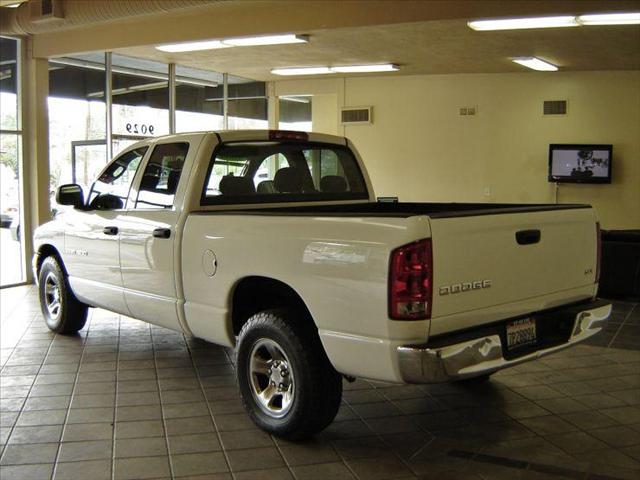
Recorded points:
(411, 281)
(599, 249)
(288, 135)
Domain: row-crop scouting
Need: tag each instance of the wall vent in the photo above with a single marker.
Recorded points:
(357, 115)
(554, 107)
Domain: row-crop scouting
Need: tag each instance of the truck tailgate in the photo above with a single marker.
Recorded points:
(494, 259)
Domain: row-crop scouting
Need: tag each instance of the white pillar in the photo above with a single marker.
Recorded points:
(35, 147)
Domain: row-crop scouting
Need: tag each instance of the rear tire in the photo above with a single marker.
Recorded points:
(62, 311)
(288, 386)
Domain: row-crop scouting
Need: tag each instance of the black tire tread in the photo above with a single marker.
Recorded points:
(74, 313)
(322, 401)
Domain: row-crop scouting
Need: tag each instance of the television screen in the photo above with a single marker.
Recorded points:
(580, 163)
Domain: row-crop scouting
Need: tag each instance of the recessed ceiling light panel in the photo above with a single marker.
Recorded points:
(524, 23)
(301, 71)
(234, 42)
(535, 63)
(266, 40)
(610, 19)
(192, 46)
(385, 67)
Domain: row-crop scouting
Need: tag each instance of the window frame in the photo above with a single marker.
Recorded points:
(135, 195)
(133, 180)
(208, 201)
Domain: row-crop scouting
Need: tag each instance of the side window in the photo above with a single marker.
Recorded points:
(111, 190)
(161, 176)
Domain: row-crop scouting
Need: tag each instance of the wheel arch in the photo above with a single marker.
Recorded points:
(44, 251)
(255, 293)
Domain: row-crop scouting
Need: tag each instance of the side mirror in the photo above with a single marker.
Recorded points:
(70, 194)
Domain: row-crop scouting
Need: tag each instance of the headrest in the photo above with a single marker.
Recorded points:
(149, 182)
(172, 181)
(266, 187)
(230, 185)
(333, 184)
(288, 180)
(151, 177)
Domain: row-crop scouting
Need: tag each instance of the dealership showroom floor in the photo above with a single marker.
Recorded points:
(402, 190)
(126, 400)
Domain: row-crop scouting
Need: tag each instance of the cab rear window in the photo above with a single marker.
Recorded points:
(273, 172)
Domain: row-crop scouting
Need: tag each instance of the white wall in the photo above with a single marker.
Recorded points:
(420, 149)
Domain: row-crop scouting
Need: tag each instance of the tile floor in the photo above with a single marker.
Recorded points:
(125, 400)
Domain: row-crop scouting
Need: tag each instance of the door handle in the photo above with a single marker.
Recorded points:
(110, 230)
(162, 233)
(528, 237)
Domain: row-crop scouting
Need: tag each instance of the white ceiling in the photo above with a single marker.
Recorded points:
(431, 47)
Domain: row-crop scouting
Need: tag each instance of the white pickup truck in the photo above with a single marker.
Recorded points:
(272, 242)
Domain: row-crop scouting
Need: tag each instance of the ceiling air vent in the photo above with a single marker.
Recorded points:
(555, 107)
(45, 10)
(356, 115)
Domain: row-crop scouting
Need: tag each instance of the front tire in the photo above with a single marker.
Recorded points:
(62, 311)
(288, 386)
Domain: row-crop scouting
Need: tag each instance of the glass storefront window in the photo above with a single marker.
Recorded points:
(10, 219)
(11, 251)
(247, 104)
(197, 104)
(140, 108)
(140, 97)
(77, 115)
(8, 84)
(248, 114)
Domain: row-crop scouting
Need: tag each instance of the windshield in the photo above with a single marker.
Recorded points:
(271, 172)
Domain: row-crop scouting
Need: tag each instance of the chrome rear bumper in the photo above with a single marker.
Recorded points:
(484, 354)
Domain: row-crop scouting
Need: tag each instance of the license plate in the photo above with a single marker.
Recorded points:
(521, 332)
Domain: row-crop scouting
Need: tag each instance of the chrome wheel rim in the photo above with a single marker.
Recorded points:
(52, 296)
(271, 378)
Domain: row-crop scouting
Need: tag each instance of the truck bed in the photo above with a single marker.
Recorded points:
(409, 209)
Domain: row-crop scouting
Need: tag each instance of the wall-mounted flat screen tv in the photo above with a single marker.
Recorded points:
(580, 163)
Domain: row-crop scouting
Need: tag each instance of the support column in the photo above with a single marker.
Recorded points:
(172, 98)
(225, 101)
(108, 103)
(35, 147)
(273, 106)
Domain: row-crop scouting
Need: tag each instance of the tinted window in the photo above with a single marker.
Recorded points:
(257, 172)
(111, 189)
(161, 176)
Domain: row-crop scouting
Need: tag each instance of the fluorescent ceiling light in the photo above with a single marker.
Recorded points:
(301, 71)
(234, 42)
(610, 19)
(523, 23)
(386, 67)
(536, 64)
(266, 40)
(192, 46)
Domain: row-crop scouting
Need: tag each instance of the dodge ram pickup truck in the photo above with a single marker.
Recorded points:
(273, 243)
